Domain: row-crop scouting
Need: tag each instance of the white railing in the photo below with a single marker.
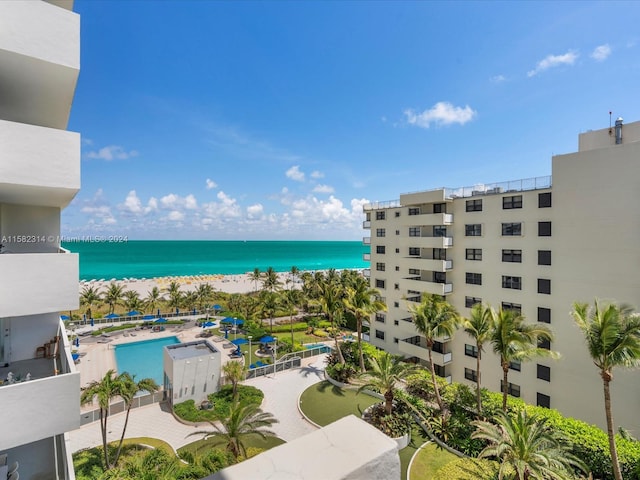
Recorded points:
(366, 240)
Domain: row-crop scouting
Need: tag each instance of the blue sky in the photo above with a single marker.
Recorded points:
(279, 120)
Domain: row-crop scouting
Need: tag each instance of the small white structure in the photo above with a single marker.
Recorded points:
(191, 371)
(348, 449)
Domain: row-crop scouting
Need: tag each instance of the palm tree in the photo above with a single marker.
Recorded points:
(386, 372)
(528, 446)
(175, 295)
(513, 340)
(89, 297)
(269, 305)
(293, 275)
(270, 280)
(234, 303)
(479, 327)
(330, 302)
(106, 389)
(190, 300)
(132, 300)
(362, 301)
(204, 292)
(290, 299)
(245, 421)
(612, 334)
(434, 317)
(255, 277)
(113, 295)
(152, 299)
(234, 372)
(127, 391)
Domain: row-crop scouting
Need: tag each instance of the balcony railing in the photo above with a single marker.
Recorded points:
(366, 257)
(366, 272)
(366, 224)
(366, 240)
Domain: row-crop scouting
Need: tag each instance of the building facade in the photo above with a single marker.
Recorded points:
(39, 176)
(535, 245)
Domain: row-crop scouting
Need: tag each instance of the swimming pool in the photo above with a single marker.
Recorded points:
(322, 346)
(143, 359)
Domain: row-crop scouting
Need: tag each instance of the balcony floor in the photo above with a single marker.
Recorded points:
(37, 367)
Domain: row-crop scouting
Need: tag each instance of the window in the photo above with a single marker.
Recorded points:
(380, 266)
(473, 253)
(474, 205)
(414, 251)
(397, 250)
(439, 253)
(414, 271)
(380, 317)
(439, 277)
(543, 343)
(395, 339)
(471, 374)
(515, 365)
(513, 256)
(414, 231)
(473, 230)
(396, 322)
(470, 350)
(414, 211)
(397, 214)
(514, 283)
(544, 200)
(543, 400)
(380, 215)
(544, 315)
(439, 231)
(396, 286)
(397, 232)
(544, 286)
(544, 229)
(471, 301)
(544, 257)
(473, 278)
(379, 283)
(396, 304)
(380, 334)
(380, 232)
(397, 268)
(509, 203)
(439, 208)
(544, 373)
(512, 229)
(380, 249)
(512, 388)
(516, 307)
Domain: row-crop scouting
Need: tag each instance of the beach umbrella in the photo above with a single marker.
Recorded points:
(232, 321)
(84, 318)
(267, 339)
(217, 307)
(77, 341)
(132, 313)
(239, 341)
(92, 322)
(226, 334)
(148, 317)
(161, 320)
(112, 315)
(209, 324)
(64, 317)
(158, 312)
(177, 310)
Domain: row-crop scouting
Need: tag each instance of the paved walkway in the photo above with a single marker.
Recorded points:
(281, 392)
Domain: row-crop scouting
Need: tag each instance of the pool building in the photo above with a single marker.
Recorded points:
(191, 371)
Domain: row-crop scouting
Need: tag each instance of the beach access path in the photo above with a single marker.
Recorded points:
(281, 393)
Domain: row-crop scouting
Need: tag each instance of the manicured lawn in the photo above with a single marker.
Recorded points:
(152, 442)
(324, 403)
(200, 446)
(428, 460)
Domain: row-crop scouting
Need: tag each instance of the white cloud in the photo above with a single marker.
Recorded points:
(442, 113)
(551, 61)
(323, 189)
(255, 211)
(175, 216)
(317, 174)
(601, 52)
(112, 152)
(132, 203)
(190, 202)
(294, 173)
(227, 207)
(211, 184)
(170, 201)
(498, 79)
(98, 209)
(153, 203)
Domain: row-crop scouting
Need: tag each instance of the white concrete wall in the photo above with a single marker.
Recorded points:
(29, 229)
(193, 378)
(30, 332)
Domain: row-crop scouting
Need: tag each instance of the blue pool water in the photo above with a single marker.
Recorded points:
(143, 359)
(325, 349)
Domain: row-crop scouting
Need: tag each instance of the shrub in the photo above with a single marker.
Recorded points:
(468, 469)
(341, 372)
(286, 328)
(395, 425)
(221, 401)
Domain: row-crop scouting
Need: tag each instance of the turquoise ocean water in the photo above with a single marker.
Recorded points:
(148, 259)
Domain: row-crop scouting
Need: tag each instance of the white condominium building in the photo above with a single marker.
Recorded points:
(533, 245)
(39, 176)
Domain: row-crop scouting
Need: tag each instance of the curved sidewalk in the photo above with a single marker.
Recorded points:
(281, 392)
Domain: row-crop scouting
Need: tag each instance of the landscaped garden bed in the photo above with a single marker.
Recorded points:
(221, 401)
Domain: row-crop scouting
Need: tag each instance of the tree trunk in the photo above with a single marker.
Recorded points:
(388, 402)
(606, 379)
(505, 385)
(335, 337)
(124, 429)
(103, 426)
(478, 383)
(435, 382)
(291, 322)
(359, 323)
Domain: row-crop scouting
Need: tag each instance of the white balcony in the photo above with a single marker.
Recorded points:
(427, 219)
(366, 240)
(40, 58)
(420, 350)
(34, 283)
(40, 166)
(45, 406)
(425, 264)
(427, 287)
(427, 242)
(366, 224)
(366, 257)
(366, 272)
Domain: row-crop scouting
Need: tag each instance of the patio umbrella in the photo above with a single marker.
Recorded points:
(226, 334)
(112, 315)
(84, 318)
(77, 341)
(148, 317)
(64, 317)
(232, 321)
(132, 313)
(209, 324)
(267, 339)
(217, 307)
(161, 320)
(92, 322)
(239, 341)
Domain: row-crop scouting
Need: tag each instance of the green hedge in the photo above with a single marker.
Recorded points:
(468, 469)
(221, 401)
(115, 328)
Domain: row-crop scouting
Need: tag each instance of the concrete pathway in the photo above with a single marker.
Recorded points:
(281, 392)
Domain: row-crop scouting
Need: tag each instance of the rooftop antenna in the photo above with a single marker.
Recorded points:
(610, 131)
